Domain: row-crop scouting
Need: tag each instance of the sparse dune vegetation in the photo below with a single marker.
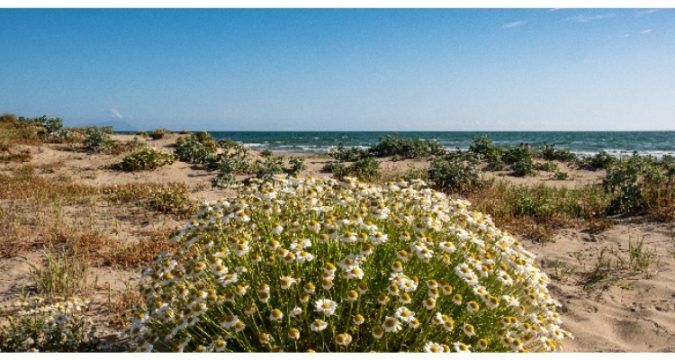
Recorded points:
(84, 213)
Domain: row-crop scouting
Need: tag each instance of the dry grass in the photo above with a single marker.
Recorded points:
(25, 184)
(141, 253)
(536, 211)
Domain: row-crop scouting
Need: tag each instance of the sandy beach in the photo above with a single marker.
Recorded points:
(624, 310)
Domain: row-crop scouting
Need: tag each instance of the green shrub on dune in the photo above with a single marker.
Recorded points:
(145, 159)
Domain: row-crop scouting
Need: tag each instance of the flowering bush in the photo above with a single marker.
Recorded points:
(38, 326)
(327, 265)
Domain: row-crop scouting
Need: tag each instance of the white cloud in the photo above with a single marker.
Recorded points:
(554, 9)
(115, 114)
(646, 31)
(513, 24)
(589, 18)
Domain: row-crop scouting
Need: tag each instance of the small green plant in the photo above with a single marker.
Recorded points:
(62, 274)
(267, 167)
(601, 160)
(482, 145)
(173, 199)
(158, 133)
(521, 160)
(98, 139)
(36, 325)
(638, 258)
(145, 159)
(336, 168)
(455, 174)
(403, 148)
(365, 169)
(528, 202)
(341, 153)
(549, 152)
(295, 165)
(494, 160)
(192, 150)
(546, 166)
(560, 175)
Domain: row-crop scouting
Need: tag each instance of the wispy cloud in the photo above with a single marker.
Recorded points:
(646, 12)
(554, 9)
(646, 31)
(513, 24)
(589, 18)
(115, 114)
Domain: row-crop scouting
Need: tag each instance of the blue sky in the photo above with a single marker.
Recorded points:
(447, 69)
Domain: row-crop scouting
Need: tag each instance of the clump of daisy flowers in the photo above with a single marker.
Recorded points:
(35, 325)
(326, 265)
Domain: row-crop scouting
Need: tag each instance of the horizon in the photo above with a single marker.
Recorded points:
(343, 70)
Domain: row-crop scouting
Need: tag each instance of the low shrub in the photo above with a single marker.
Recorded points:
(640, 183)
(546, 166)
(284, 266)
(391, 145)
(601, 160)
(172, 199)
(145, 159)
(158, 133)
(191, 150)
(365, 169)
(550, 153)
(521, 160)
(336, 168)
(560, 175)
(98, 139)
(341, 153)
(295, 165)
(455, 174)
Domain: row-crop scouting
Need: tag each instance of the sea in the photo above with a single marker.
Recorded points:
(617, 143)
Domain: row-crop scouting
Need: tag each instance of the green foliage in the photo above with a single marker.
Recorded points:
(145, 159)
(48, 327)
(61, 275)
(295, 165)
(158, 133)
(232, 161)
(172, 199)
(549, 152)
(266, 168)
(560, 175)
(336, 168)
(192, 150)
(391, 145)
(639, 183)
(521, 159)
(494, 160)
(529, 202)
(266, 153)
(365, 169)
(601, 160)
(546, 166)
(98, 139)
(482, 145)
(341, 153)
(455, 174)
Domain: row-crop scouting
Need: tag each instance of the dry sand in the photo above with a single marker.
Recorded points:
(627, 311)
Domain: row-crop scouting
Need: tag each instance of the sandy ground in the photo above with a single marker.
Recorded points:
(625, 311)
